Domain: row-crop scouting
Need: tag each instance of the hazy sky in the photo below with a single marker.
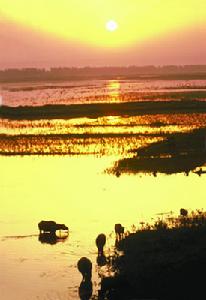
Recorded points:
(44, 33)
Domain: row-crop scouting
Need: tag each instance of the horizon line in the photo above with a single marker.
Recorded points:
(103, 66)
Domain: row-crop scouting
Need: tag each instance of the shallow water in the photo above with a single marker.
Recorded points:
(76, 188)
(99, 91)
(75, 191)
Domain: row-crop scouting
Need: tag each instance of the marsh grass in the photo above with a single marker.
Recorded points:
(164, 260)
(134, 108)
(177, 153)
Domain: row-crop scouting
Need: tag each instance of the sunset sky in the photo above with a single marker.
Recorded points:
(101, 32)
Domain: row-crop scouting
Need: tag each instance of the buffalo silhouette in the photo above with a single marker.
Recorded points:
(100, 242)
(51, 227)
(84, 266)
(119, 230)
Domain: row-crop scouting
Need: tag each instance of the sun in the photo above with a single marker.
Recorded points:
(111, 25)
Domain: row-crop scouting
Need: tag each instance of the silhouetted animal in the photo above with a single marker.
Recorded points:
(100, 242)
(119, 230)
(199, 172)
(84, 266)
(183, 212)
(61, 227)
(51, 226)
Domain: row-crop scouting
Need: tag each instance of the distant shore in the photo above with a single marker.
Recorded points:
(171, 72)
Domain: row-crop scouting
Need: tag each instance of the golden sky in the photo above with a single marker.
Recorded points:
(84, 23)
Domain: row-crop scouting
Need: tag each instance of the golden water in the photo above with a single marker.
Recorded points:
(75, 191)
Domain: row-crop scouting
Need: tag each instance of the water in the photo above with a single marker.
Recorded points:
(99, 91)
(71, 184)
(73, 190)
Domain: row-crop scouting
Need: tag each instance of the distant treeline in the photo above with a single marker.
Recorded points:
(130, 72)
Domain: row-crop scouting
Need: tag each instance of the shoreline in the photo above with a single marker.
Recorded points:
(164, 260)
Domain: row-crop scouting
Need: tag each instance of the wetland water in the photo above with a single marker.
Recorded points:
(61, 169)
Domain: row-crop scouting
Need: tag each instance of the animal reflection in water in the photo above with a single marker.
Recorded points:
(51, 238)
(47, 232)
(100, 243)
(84, 266)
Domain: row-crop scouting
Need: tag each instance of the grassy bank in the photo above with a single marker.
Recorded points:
(165, 260)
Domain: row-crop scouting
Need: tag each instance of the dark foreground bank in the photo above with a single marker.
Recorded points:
(166, 260)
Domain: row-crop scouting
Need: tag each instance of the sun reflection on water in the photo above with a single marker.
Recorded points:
(105, 135)
(73, 92)
(150, 124)
(113, 90)
(72, 146)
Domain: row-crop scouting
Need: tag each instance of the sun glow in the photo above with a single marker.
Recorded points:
(83, 22)
(111, 25)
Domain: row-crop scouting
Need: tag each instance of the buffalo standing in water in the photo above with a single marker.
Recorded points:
(84, 266)
(119, 230)
(51, 227)
(100, 242)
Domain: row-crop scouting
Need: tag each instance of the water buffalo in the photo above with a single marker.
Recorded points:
(51, 227)
(119, 230)
(100, 242)
(84, 266)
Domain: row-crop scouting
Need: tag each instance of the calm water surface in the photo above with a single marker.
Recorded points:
(76, 189)
(98, 91)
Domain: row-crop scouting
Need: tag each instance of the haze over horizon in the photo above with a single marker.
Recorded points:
(73, 35)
